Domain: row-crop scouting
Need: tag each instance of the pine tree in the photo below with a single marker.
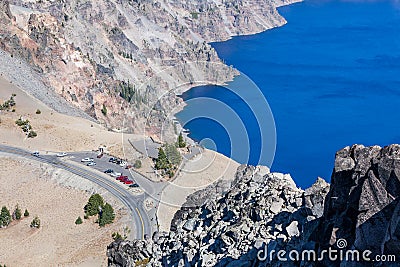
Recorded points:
(26, 213)
(17, 213)
(5, 217)
(92, 207)
(181, 142)
(162, 160)
(106, 216)
(35, 222)
(78, 221)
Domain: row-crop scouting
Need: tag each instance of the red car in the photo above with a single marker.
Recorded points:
(128, 182)
(123, 180)
(122, 177)
(128, 166)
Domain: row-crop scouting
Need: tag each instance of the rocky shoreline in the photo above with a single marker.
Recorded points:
(265, 211)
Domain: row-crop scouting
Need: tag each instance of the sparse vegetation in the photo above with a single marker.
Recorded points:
(38, 111)
(35, 222)
(142, 263)
(94, 205)
(17, 214)
(26, 213)
(5, 217)
(129, 92)
(181, 141)
(78, 220)
(104, 110)
(97, 206)
(106, 216)
(137, 164)
(7, 105)
(26, 127)
(168, 160)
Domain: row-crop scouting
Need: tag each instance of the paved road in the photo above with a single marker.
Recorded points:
(144, 225)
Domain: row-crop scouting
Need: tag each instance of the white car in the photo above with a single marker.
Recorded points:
(36, 154)
(62, 154)
(87, 160)
(115, 174)
(91, 163)
(123, 164)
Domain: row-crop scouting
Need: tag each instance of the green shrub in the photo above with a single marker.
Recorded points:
(137, 164)
(78, 221)
(32, 134)
(181, 141)
(38, 111)
(17, 213)
(104, 110)
(26, 213)
(35, 222)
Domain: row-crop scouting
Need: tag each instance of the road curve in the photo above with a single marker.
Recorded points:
(134, 204)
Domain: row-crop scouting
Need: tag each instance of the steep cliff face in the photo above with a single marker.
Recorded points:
(125, 54)
(269, 213)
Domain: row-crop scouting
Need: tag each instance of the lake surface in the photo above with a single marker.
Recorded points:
(331, 77)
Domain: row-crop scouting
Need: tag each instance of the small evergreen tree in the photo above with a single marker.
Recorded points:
(104, 110)
(162, 160)
(78, 221)
(173, 155)
(38, 111)
(26, 213)
(181, 142)
(137, 164)
(106, 216)
(92, 207)
(5, 217)
(35, 222)
(17, 213)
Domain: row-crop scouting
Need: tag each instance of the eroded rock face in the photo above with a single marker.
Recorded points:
(362, 206)
(268, 212)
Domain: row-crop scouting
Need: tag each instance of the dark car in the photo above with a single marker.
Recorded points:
(111, 160)
(134, 185)
(109, 171)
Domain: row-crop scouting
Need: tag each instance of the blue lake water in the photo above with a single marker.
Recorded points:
(331, 77)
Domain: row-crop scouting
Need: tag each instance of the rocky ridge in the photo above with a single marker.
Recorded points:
(266, 211)
(123, 55)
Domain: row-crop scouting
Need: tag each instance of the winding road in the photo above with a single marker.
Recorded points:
(143, 224)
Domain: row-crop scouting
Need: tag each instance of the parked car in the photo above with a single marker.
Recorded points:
(62, 154)
(123, 164)
(122, 177)
(99, 156)
(109, 171)
(118, 161)
(92, 163)
(87, 160)
(128, 167)
(115, 174)
(134, 185)
(128, 182)
(36, 154)
(111, 160)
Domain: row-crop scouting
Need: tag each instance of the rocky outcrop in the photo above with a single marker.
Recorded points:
(230, 229)
(360, 211)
